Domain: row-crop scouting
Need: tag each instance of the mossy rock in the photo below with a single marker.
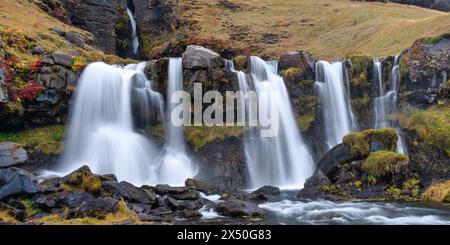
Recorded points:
(360, 143)
(292, 74)
(82, 179)
(198, 137)
(384, 163)
(432, 125)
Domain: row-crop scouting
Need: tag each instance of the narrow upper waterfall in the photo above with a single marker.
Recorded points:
(337, 111)
(175, 166)
(134, 36)
(385, 104)
(283, 159)
(101, 133)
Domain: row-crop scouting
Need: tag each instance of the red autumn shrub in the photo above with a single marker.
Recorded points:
(30, 90)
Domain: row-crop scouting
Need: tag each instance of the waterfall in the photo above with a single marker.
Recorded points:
(148, 102)
(176, 166)
(385, 104)
(283, 159)
(337, 111)
(101, 133)
(134, 36)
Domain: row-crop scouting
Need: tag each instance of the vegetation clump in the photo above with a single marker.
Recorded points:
(198, 137)
(433, 125)
(83, 179)
(360, 142)
(384, 163)
(439, 192)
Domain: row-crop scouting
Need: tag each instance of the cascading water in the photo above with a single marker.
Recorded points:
(148, 102)
(134, 36)
(338, 115)
(175, 166)
(282, 160)
(101, 133)
(385, 104)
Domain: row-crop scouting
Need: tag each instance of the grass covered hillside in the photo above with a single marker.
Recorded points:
(330, 29)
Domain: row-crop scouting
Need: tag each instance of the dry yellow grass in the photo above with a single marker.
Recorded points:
(438, 192)
(329, 29)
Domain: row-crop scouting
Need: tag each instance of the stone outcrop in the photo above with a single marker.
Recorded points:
(12, 154)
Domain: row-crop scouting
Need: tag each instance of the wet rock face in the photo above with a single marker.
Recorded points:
(97, 17)
(223, 164)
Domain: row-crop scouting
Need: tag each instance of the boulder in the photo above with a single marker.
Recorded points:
(198, 185)
(12, 154)
(15, 181)
(12, 212)
(190, 214)
(94, 207)
(138, 195)
(198, 57)
(237, 208)
(115, 190)
(149, 218)
(167, 189)
(268, 190)
(302, 61)
(62, 58)
(189, 195)
(36, 50)
(75, 38)
(333, 158)
(171, 203)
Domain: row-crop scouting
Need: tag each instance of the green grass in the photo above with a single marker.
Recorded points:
(45, 139)
(359, 142)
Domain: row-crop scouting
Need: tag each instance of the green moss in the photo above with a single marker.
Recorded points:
(360, 65)
(45, 139)
(198, 137)
(305, 121)
(384, 163)
(15, 107)
(358, 185)
(433, 125)
(359, 142)
(291, 74)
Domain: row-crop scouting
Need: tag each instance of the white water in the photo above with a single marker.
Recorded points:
(101, 133)
(134, 36)
(337, 112)
(176, 166)
(327, 212)
(282, 160)
(385, 104)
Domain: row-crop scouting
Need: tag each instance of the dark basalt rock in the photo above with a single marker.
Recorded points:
(268, 190)
(190, 214)
(315, 193)
(61, 58)
(223, 164)
(138, 195)
(336, 156)
(12, 154)
(115, 190)
(198, 185)
(171, 203)
(302, 60)
(149, 218)
(237, 208)
(94, 207)
(15, 181)
(166, 189)
(189, 195)
(18, 214)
